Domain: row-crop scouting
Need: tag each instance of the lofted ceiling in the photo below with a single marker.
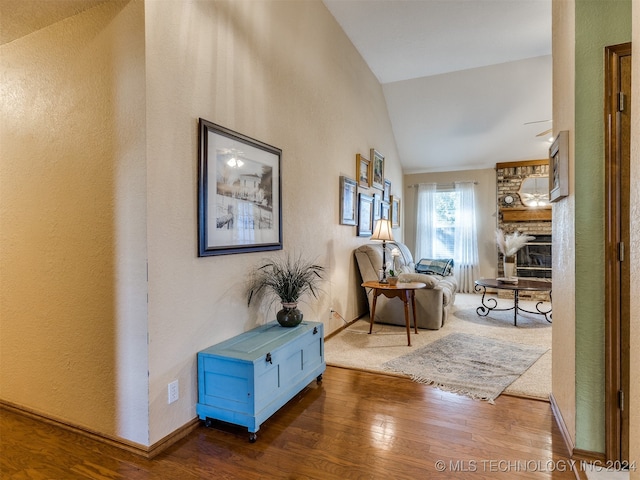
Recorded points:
(22, 17)
(467, 82)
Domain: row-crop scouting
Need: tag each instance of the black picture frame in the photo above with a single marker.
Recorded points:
(239, 192)
(348, 201)
(559, 167)
(365, 215)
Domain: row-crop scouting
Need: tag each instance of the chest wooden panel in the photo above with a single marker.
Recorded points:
(246, 379)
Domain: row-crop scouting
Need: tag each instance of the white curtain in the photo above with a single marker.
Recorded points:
(465, 244)
(465, 257)
(425, 227)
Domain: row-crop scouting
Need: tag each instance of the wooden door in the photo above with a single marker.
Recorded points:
(617, 217)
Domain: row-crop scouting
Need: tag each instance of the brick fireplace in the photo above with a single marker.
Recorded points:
(533, 260)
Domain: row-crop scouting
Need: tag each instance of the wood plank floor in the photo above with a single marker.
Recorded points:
(354, 425)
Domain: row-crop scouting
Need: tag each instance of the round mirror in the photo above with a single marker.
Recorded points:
(534, 191)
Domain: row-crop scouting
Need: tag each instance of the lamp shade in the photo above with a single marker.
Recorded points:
(382, 231)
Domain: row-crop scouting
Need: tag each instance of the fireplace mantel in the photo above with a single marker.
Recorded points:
(525, 214)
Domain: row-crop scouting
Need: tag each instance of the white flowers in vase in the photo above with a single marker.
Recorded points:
(393, 271)
(511, 243)
(509, 246)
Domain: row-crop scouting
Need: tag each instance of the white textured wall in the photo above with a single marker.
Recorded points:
(283, 73)
(72, 232)
(564, 317)
(99, 170)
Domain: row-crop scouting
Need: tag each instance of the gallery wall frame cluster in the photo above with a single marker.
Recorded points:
(367, 198)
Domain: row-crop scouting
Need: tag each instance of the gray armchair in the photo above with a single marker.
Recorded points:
(432, 303)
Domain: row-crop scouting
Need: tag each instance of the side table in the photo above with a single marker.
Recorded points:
(404, 291)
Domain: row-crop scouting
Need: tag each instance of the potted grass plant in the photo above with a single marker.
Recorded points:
(286, 279)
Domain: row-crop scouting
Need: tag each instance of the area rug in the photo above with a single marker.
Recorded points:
(478, 367)
(354, 348)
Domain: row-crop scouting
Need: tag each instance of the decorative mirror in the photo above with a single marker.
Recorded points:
(534, 191)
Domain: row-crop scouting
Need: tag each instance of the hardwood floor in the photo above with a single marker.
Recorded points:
(354, 425)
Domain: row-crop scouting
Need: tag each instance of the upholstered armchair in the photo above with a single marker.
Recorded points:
(432, 303)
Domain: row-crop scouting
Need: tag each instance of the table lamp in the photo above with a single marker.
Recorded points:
(382, 231)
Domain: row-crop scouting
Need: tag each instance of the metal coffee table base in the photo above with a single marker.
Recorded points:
(487, 306)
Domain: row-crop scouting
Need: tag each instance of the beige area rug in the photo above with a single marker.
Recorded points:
(355, 348)
(471, 365)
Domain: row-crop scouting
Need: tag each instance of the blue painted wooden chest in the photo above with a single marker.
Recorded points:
(246, 379)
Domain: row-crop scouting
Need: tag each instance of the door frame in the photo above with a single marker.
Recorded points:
(613, 268)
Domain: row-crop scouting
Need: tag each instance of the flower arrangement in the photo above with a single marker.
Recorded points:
(511, 243)
(395, 253)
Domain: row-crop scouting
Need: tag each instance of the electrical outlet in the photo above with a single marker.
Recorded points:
(174, 391)
(331, 312)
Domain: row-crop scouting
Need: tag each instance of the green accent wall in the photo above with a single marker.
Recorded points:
(599, 23)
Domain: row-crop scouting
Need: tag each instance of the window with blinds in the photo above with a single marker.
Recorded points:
(446, 203)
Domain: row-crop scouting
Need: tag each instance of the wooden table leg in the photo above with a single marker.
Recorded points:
(373, 309)
(405, 299)
(413, 305)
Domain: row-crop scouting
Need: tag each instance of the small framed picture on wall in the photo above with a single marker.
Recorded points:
(363, 171)
(395, 212)
(348, 201)
(386, 193)
(384, 211)
(377, 169)
(559, 167)
(377, 206)
(365, 215)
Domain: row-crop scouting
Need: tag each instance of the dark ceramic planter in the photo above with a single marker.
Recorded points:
(289, 316)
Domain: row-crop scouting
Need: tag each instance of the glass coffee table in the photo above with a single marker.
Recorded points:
(522, 285)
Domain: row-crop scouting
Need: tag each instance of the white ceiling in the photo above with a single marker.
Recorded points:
(463, 79)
